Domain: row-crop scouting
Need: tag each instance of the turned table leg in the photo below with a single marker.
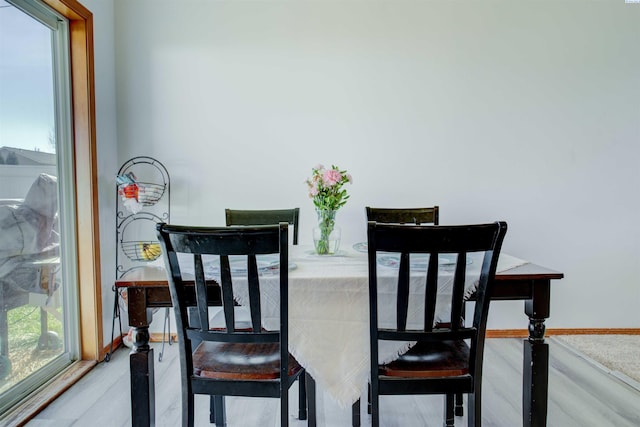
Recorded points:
(536, 359)
(141, 361)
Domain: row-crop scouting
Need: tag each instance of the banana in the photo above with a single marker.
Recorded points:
(150, 251)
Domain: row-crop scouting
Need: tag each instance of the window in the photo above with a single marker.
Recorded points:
(68, 117)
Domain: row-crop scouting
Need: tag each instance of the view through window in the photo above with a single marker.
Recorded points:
(35, 341)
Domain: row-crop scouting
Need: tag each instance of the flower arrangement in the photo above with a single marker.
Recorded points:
(325, 188)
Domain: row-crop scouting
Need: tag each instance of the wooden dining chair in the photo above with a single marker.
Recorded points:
(264, 217)
(441, 361)
(261, 217)
(415, 216)
(228, 361)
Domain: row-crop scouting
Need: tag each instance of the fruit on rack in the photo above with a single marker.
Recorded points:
(150, 251)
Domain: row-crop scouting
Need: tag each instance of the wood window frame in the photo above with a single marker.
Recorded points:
(86, 175)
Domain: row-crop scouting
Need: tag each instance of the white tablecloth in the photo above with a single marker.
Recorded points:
(328, 315)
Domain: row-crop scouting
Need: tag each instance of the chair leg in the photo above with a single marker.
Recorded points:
(474, 410)
(5, 362)
(4, 332)
(459, 410)
(284, 407)
(355, 414)
(311, 399)
(459, 406)
(188, 417)
(218, 412)
(448, 410)
(302, 397)
(375, 404)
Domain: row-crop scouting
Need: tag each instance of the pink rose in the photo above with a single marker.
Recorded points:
(313, 190)
(331, 177)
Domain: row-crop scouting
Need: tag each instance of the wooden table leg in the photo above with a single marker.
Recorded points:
(536, 359)
(141, 361)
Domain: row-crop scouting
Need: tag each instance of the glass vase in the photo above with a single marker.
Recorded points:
(326, 236)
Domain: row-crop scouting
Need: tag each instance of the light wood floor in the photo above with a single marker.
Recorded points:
(580, 394)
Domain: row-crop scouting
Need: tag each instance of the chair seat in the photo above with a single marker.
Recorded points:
(238, 361)
(431, 360)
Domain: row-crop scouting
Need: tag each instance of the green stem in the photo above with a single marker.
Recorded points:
(326, 224)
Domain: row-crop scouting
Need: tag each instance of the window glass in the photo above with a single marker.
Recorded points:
(35, 280)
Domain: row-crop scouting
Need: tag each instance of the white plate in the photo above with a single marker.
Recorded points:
(266, 263)
(418, 261)
(360, 247)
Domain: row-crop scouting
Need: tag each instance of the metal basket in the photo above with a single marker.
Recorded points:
(141, 250)
(147, 193)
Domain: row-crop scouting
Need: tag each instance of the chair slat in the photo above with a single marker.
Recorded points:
(201, 292)
(431, 291)
(228, 302)
(403, 292)
(254, 293)
(457, 294)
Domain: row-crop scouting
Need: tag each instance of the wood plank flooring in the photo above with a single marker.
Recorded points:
(580, 394)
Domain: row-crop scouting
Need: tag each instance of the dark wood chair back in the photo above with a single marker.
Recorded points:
(440, 362)
(415, 216)
(264, 217)
(207, 356)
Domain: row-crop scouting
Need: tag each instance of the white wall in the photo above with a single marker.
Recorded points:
(107, 148)
(518, 110)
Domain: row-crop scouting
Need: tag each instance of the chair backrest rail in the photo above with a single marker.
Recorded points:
(416, 216)
(264, 217)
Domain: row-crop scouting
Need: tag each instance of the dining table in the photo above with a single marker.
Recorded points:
(329, 321)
